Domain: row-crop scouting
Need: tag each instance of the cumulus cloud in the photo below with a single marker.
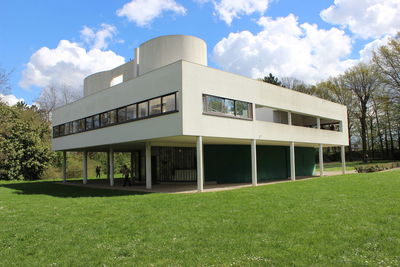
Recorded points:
(365, 18)
(10, 100)
(66, 65)
(98, 39)
(227, 10)
(143, 12)
(366, 52)
(286, 49)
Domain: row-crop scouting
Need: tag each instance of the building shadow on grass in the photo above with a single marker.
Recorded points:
(60, 190)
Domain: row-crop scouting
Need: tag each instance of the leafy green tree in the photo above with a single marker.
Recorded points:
(24, 142)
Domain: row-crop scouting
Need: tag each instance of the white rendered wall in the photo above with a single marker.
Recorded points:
(156, 83)
(198, 80)
(101, 80)
(165, 50)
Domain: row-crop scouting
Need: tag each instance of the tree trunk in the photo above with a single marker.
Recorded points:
(372, 137)
(398, 137)
(386, 143)
(379, 130)
(363, 122)
(390, 134)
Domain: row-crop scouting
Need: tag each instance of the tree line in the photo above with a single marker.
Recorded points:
(371, 93)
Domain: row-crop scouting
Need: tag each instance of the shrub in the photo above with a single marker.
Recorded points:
(376, 167)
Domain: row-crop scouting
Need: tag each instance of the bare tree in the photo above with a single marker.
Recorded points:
(55, 96)
(363, 80)
(387, 59)
(334, 89)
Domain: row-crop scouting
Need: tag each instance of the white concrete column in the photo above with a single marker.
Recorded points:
(108, 165)
(64, 166)
(289, 118)
(292, 162)
(318, 123)
(84, 167)
(343, 156)
(254, 162)
(148, 165)
(132, 166)
(321, 160)
(200, 173)
(111, 166)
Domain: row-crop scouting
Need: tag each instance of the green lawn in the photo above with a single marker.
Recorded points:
(351, 220)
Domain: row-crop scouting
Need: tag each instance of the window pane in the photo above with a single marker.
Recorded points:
(215, 104)
(66, 128)
(131, 112)
(96, 121)
(242, 109)
(56, 132)
(89, 123)
(229, 107)
(75, 126)
(121, 114)
(113, 116)
(168, 103)
(81, 125)
(104, 119)
(205, 99)
(62, 129)
(155, 106)
(143, 109)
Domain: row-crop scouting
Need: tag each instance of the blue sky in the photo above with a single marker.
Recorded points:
(309, 40)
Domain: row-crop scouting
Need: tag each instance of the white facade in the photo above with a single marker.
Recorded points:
(178, 64)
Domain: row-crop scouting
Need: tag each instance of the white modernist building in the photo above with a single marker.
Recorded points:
(184, 121)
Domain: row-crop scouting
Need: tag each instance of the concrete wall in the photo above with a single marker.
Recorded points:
(164, 50)
(101, 80)
(159, 82)
(198, 80)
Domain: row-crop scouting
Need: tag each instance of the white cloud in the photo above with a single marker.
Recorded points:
(66, 65)
(227, 10)
(366, 52)
(285, 48)
(143, 12)
(10, 100)
(98, 39)
(365, 18)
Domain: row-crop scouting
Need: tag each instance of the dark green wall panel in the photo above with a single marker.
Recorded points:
(305, 160)
(227, 163)
(272, 163)
(232, 163)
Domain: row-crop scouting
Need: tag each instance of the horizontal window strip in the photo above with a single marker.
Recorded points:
(225, 107)
(149, 108)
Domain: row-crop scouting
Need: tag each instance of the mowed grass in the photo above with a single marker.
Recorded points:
(350, 220)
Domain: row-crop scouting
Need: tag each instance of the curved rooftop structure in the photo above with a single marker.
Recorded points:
(150, 55)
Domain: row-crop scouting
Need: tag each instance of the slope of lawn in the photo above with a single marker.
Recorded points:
(350, 220)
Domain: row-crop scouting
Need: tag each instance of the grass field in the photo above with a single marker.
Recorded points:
(350, 220)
